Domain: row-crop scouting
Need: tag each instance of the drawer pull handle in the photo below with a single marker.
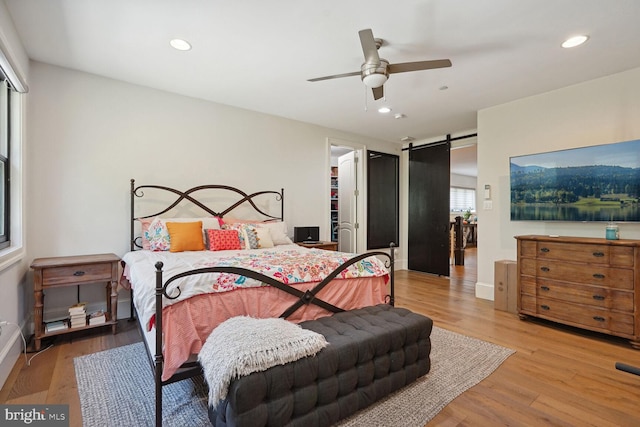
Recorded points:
(545, 307)
(545, 269)
(598, 254)
(599, 318)
(544, 249)
(598, 276)
(544, 288)
(598, 297)
(79, 273)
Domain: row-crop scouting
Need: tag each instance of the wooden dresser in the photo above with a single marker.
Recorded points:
(589, 283)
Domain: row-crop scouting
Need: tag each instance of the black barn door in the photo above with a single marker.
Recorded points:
(428, 240)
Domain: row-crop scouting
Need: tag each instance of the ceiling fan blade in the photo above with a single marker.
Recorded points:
(378, 92)
(420, 65)
(369, 47)
(336, 76)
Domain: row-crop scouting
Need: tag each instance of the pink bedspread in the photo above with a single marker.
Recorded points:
(187, 324)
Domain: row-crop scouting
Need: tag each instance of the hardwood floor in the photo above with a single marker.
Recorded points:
(558, 376)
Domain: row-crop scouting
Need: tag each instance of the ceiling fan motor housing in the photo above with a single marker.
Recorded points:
(375, 75)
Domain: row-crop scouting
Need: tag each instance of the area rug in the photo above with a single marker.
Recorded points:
(116, 387)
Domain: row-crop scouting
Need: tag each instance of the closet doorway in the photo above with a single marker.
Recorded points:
(364, 198)
(345, 197)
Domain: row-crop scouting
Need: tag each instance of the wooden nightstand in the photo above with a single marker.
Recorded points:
(74, 271)
(329, 246)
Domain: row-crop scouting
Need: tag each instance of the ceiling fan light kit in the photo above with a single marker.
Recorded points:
(375, 70)
(373, 75)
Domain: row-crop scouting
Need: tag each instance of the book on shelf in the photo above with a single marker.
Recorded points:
(79, 308)
(56, 325)
(97, 318)
(78, 315)
(78, 323)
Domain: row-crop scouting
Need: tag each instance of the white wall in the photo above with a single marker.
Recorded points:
(600, 111)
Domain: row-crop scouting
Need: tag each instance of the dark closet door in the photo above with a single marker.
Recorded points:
(383, 200)
(428, 240)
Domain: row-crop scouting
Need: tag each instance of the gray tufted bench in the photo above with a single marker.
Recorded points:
(372, 352)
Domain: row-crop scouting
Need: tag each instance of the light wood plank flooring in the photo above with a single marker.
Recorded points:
(558, 376)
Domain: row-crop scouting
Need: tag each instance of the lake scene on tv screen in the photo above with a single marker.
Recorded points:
(597, 183)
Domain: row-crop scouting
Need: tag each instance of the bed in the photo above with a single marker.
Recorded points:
(182, 289)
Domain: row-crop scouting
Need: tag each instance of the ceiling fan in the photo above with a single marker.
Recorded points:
(375, 71)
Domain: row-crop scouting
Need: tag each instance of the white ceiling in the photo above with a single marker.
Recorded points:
(258, 54)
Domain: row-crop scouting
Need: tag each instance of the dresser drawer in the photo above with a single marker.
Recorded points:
(528, 248)
(621, 256)
(593, 254)
(620, 278)
(528, 266)
(528, 285)
(593, 318)
(596, 296)
(82, 273)
(528, 304)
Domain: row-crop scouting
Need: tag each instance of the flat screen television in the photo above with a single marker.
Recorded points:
(596, 183)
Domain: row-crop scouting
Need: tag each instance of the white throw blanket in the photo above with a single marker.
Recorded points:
(242, 345)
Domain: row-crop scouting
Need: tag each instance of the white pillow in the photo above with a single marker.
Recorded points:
(264, 237)
(278, 232)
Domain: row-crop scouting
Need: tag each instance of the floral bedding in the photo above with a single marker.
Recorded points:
(288, 264)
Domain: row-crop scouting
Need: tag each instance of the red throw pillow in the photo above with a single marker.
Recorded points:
(222, 240)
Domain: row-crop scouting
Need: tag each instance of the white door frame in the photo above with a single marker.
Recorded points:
(361, 201)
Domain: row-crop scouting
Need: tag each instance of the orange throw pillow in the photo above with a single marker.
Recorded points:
(185, 236)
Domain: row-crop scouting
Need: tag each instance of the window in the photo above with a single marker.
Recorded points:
(462, 199)
(4, 166)
(12, 88)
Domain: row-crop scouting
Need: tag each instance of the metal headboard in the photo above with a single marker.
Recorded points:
(189, 195)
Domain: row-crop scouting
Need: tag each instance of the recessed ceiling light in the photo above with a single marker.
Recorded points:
(384, 110)
(399, 116)
(443, 87)
(574, 41)
(180, 44)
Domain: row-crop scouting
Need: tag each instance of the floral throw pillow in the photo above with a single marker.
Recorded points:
(157, 235)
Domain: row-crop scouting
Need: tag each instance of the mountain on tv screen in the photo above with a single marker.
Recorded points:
(596, 183)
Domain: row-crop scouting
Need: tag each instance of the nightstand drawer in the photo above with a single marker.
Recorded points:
(82, 273)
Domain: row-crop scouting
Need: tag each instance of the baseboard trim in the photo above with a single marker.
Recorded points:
(10, 352)
(484, 291)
